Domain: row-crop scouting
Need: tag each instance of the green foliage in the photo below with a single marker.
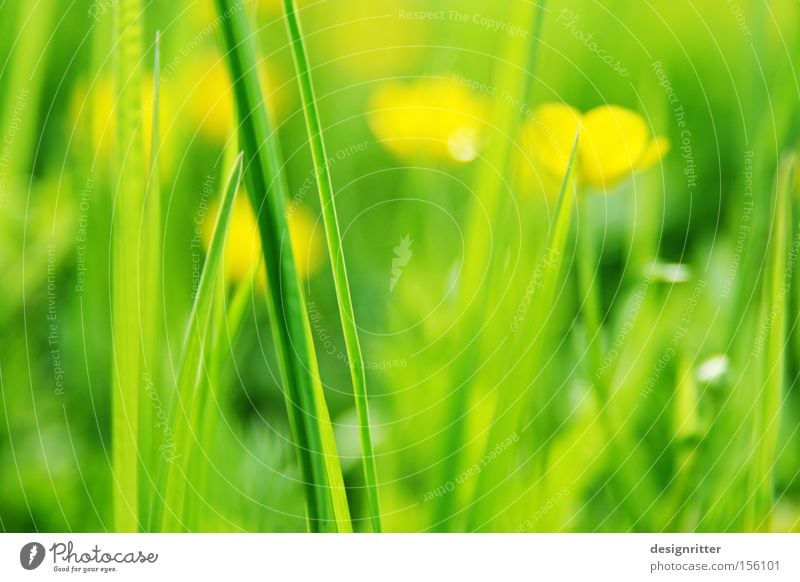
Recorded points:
(508, 348)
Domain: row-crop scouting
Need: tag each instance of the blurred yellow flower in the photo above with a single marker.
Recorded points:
(205, 14)
(94, 111)
(209, 104)
(437, 118)
(243, 243)
(614, 142)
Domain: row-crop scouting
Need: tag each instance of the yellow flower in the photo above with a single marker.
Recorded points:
(209, 104)
(204, 14)
(243, 243)
(94, 110)
(614, 142)
(437, 118)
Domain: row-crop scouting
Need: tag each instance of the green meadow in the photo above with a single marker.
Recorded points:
(399, 266)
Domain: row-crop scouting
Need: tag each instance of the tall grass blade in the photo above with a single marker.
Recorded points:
(335, 249)
(187, 409)
(129, 199)
(150, 297)
(527, 347)
(24, 74)
(315, 445)
(772, 343)
(513, 75)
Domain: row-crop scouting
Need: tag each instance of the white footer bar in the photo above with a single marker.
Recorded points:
(402, 557)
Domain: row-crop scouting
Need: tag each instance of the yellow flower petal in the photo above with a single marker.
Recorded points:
(655, 151)
(550, 134)
(95, 112)
(437, 118)
(613, 140)
(209, 105)
(306, 235)
(243, 242)
(209, 97)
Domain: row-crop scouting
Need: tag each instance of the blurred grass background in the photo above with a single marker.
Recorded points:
(732, 70)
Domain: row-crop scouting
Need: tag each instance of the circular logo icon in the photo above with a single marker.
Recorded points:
(31, 555)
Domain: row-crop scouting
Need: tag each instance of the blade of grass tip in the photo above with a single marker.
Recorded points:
(510, 407)
(150, 273)
(186, 409)
(335, 248)
(224, 317)
(773, 351)
(315, 446)
(129, 198)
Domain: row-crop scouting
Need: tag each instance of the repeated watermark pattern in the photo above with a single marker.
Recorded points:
(473, 470)
(457, 16)
(402, 256)
(549, 260)
(206, 193)
(679, 113)
(546, 507)
(81, 238)
(53, 333)
(310, 182)
(625, 329)
(743, 231)
(330, 347)
(14, 126)
(168, 448)
(570, 20)
(677, 337)
(779, 301)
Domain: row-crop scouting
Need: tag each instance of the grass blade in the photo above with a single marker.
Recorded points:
(514, 77)
(150, 273)
(773, 341)
(334, 238)
(326, 501)
(510, 407)
(130, 191)
(187, 409)
(515, 81)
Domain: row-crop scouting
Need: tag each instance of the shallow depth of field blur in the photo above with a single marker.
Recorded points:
(697, 427)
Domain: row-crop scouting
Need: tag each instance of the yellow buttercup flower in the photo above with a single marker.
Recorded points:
(243, 243)
(436, 118)
(614, 142)
(94, 110)
(209, 104)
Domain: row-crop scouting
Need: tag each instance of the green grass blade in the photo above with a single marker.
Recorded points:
(480, 282)
(527, 343)
(189, 400)
(514, 77)
(334, 238)
(315, 445)
(130, 191)
(771, 344)
(149, 311)
(24, 74)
